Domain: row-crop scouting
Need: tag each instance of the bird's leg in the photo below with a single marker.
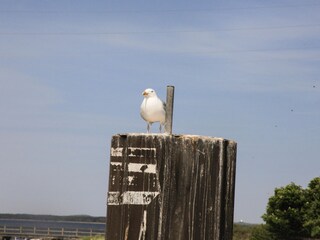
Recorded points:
(148, 128)
(162, 126)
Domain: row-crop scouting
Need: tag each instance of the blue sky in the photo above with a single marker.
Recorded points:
(72, 73)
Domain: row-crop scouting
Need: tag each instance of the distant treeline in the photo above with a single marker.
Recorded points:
(72, 218)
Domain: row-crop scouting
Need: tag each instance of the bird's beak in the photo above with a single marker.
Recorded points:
(144, 93)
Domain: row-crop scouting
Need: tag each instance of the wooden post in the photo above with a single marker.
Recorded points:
(170, 187)
(169, 109)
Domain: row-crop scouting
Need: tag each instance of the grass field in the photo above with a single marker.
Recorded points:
(93, 238)
(243, 231)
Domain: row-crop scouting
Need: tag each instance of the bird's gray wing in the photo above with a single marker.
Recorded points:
(164, 106)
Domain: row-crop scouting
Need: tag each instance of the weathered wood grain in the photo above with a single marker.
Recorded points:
(174, 187)
(169, 109)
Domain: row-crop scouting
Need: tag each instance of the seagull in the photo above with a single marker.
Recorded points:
(152, 109)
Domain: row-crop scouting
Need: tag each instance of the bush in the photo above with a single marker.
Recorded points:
(261, 232)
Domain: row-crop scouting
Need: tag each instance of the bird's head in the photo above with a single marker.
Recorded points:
(149, 92)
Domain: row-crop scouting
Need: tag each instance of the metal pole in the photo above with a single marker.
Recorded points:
(169, 109)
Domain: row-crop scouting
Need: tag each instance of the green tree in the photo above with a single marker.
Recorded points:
(312, 208)
(285, 212)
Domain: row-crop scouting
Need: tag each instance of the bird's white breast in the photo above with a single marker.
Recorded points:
(151, 110)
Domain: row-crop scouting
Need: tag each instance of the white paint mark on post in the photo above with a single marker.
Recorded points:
(143, 227)
(145, 223)
(113, 198)
(130, 180)
(133, 149)
(116, 152)
(131, 198)
(142, 148)
(116, 163)
(140, 167)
